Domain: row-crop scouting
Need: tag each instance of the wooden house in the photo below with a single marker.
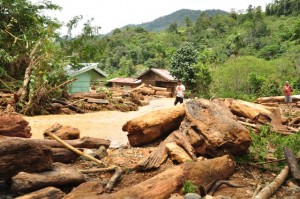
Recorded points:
(124, 82)
(159, 77)
(86, 76)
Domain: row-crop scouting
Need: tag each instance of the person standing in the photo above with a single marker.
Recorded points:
(180, 89)
(287, 90)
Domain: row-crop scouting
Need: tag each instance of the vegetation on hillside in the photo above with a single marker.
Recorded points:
(241, 55)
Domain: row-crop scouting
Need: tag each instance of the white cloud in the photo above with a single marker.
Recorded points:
(111, 14)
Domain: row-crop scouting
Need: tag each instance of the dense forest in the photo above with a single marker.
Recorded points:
(240, 55)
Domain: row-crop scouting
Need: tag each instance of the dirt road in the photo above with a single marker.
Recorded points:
(104, 124)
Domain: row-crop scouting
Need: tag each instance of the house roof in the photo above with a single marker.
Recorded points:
(86, 67)
(127, 80)
(161, 72)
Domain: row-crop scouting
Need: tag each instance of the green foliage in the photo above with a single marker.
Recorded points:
(182, 63)
(268, 143)
(189, 187)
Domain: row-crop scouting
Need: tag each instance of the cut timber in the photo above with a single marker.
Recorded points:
(23, 155)
(84, 142)
(46, 193)
(269, 190)
(63, 132)
(171, 181)
(60, 176)
(217, 127)
(177, 154)
(86, 190)
(158, 88)
(66, 104)
(14, 125)
(164, 93)
(88, 95)
(63, 155)
(292, 162)
(97, 101)
(259, 113)
(279, 99)
(147, 91)
(149, 127)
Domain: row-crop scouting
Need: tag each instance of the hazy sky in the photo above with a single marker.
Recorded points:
(111, 14)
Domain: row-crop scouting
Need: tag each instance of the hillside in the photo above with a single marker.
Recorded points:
(178, 17)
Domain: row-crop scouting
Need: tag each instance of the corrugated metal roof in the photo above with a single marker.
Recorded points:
(161, 72)
(127, 80)
(86, 67)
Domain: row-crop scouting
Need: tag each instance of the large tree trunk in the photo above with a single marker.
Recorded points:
(258, 113)
(46, 193)
(219, 132)
(149, 127)
(84, 142)
(279, 99)
(61, 175)
(23, 155)
(293, 163)
(64, 155)
(14, 125)
(171, 181)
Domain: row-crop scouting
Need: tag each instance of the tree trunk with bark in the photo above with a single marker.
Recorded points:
(219, 132)
(171, 181)
(61, 175)
(46, 193)
(14, 125)
(149, 127)
(64, 155)
(293, 163)
(279, 99)
(23, 155)
(84, 142)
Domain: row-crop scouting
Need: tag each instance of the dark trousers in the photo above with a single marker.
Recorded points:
(178, 99)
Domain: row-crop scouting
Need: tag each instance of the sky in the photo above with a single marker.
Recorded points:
(111, 14)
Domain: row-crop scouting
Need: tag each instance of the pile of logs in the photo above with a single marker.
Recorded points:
(152, 90)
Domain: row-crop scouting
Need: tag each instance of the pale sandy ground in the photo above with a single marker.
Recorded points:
(103, 124)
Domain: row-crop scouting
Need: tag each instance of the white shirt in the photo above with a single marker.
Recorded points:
(180, 90)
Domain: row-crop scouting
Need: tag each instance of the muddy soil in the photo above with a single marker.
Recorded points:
(102, 124)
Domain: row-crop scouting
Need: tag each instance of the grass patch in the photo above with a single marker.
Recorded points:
(189, 187)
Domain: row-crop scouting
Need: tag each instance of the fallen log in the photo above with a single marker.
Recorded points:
(23, 155)
(88, 95)
(279, 99)
(177, 154)
(97, 101)
(217, 127)
(164, 93)
(60, 176)
(63, 132)
(147, 91)
(292, 163)
(84, 142)
(66, 104)
(171, 181)
(64, 155)
(13, 125)
(158, 88)
(259, 113)
(295, 120)
(46, 193)
(149, 127)
(269, 190)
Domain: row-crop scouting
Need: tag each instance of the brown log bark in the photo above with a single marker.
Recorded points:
(46, 193)
(97, 101)
(88, 95)
(147, 91)
(66, 104)
(217, 126)
(60, 176)
(171, 181)
(295, 120)
(64, 155)
(84, 142)
(292, 162)
(63, 132)
(23, 155)
(177, 154)
(149, 127)
(87, 190)
(14, 125)
(164, 93)
(158, 88)
(258, 113)
(273, 99)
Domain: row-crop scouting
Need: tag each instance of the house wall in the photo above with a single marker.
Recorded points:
(123, 85)
(83, 82)
(151, 78)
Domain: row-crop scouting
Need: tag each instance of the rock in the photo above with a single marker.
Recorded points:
(222, 197)
(192, 196)
(14, 125)
(101, 153)
(208, 197)
(90, 152)
(176, 196)
(63, 132)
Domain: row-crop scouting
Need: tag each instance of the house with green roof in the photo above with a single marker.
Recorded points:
(86, 76)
